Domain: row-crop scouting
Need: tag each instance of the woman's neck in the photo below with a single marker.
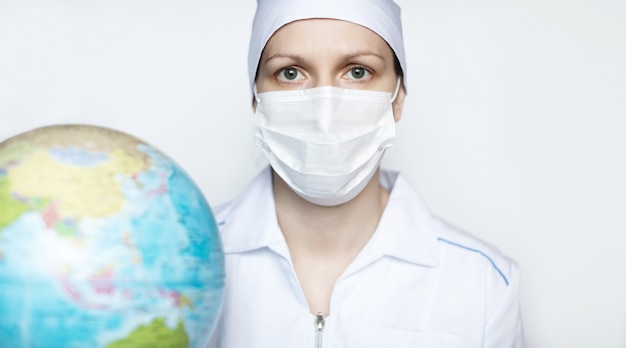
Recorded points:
(315, 230)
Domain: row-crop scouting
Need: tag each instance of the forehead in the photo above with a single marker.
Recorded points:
(321, 35)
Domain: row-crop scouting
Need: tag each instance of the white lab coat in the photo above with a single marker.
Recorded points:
(418, 282)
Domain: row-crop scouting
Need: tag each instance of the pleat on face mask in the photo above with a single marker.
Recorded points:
(326, 142)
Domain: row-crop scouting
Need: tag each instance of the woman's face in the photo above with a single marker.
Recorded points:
(326, 52)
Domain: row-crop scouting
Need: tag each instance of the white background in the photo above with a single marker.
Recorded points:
(513, 128)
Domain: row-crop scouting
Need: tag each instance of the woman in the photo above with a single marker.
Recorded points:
(323, 248)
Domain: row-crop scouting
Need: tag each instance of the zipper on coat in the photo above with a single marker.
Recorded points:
(319, 329)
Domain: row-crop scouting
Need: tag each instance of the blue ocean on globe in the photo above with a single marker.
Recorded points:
(104, 242)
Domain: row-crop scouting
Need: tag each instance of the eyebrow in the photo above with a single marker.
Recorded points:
(364, 53)
(283, 55)
(348, 57)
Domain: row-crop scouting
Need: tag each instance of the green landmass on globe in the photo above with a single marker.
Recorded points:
(104, 242)
(155, 334)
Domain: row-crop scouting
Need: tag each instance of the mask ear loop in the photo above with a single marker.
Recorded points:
(256, 97)
(393, 97)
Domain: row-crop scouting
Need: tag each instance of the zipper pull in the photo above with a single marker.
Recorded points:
(319, 322)
(319, 327)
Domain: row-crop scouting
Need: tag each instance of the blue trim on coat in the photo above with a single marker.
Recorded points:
(479, 252)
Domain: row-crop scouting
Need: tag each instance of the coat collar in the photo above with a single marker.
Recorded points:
(406, 230)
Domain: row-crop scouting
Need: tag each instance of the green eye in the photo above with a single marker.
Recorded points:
(290, 73)
(358, 73)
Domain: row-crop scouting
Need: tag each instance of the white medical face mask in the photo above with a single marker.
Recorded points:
(327, 142)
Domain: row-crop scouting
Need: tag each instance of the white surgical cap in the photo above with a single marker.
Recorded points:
(380, 16)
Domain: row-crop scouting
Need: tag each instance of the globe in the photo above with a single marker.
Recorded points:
(104, 242)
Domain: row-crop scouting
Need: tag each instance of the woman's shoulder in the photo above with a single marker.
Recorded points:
(455, 247)
(459, 248)
(247, 202)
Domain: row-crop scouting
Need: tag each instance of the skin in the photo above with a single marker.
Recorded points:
(310, 53)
